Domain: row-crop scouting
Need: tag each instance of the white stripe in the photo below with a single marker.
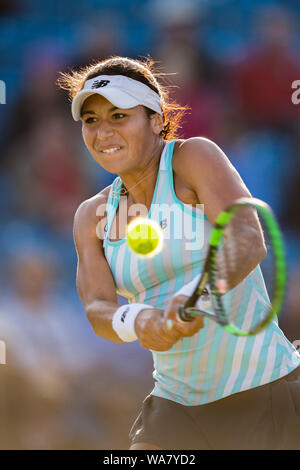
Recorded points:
(220, 361)
(254, 359)
(135, 278)
(119, 274)
(271, 357)
(163, 157)
(270, 360)
(239, 348)
(206, 348)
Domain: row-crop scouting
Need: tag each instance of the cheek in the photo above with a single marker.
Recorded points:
(140, 132)
(87, 137)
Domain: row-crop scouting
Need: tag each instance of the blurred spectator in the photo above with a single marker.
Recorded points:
(50, 178)
(262, 82)
(10, 7)
(39, 98)
(101, 36)
(60, 380)
(193, 73)
(44, 152)
(57, 385)
(290, 320)
(44, 354)
(264, 160)
(291, 215)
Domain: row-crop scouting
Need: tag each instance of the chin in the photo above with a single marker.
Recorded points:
(115, 167)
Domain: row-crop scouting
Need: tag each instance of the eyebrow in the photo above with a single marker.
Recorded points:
(93, 112)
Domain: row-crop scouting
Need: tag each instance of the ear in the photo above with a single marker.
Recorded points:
(157, 123)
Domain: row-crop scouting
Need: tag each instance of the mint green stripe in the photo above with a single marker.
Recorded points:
(244, 364)
(197, 365)
(247, 351)
(211, 362)
(112, 262)
(280, 353)
(127, 279)
(232, 343)
(262, 359)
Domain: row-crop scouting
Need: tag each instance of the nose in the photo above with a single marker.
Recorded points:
(104, 130)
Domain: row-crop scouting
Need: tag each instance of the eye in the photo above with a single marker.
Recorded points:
(118, 115)
(89, 120)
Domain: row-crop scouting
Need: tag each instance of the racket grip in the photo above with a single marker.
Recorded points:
(183, 315)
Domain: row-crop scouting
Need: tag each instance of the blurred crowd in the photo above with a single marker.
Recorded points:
(233, 63)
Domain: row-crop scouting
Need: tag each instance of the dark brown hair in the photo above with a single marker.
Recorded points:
(143, 71)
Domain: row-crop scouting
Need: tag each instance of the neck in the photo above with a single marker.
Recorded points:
(140, 185)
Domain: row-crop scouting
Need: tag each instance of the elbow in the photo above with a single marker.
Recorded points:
(261, 251)
(91, 319)
(258, 253)
(100, 323)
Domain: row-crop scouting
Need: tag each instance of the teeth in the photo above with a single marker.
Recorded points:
(110, 150)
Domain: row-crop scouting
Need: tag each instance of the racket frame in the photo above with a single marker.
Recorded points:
(207, 280)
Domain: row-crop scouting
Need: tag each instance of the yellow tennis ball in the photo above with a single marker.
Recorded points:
(144, 237)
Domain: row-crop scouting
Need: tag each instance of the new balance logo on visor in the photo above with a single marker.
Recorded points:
(100, 83)
(123, 316)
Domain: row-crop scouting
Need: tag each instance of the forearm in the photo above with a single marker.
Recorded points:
(242, 250)
(100, 315)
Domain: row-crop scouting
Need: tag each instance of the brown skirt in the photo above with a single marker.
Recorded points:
(265, 417)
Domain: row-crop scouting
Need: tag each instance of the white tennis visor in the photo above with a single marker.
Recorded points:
(121, 91)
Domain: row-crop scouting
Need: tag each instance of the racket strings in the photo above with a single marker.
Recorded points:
(249, 304)
(244, 296)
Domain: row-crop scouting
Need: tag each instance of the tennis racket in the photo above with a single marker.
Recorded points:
(251, 305)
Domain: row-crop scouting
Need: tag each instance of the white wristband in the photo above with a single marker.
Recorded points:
(124, 318)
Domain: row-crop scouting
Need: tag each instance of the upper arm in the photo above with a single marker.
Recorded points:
(94, 278)
(208, 172)
(217, 185)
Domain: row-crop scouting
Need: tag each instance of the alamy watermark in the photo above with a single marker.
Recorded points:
(2, 92)
(296, 94)
(2, 352)
(177, 224)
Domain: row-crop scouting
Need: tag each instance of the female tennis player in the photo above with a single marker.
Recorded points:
(205, 378)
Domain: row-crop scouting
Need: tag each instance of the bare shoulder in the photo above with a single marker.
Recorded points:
(205, 169)
(197, 162)
(200, 160)
(198, 151)
(89, 213)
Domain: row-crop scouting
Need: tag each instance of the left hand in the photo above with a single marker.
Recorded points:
(185, 329)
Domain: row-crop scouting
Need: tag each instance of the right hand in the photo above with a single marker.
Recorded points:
(150, 328)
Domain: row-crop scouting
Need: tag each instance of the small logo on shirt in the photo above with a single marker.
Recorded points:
(163, 223)
(100, 83)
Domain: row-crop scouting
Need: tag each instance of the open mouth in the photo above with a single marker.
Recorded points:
(110, 150)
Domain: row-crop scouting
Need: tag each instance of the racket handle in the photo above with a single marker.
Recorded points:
(183, 315)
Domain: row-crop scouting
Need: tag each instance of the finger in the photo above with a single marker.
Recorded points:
(157, 345)
(172, 320)
(157, 334)
(172, 311)
(185, 328)
(193, 327)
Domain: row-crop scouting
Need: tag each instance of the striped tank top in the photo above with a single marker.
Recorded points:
(212, 364)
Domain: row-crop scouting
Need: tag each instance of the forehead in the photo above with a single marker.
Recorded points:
(95, 102)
